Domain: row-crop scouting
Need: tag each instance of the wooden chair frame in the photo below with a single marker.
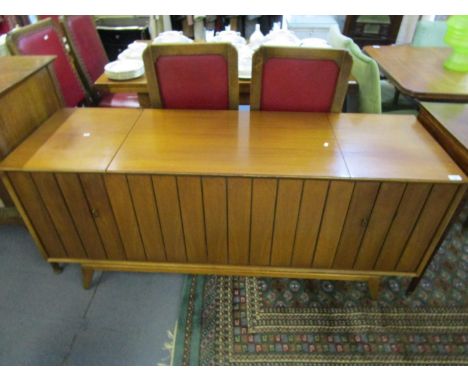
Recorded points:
(15, 35)
(340, 57)
(153, 52)
(80, 65)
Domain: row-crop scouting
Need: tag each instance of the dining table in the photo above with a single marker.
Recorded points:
(419, 72)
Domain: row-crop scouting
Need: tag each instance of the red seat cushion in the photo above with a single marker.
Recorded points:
(119, 100)
(47, 42)
(193, 82)
(298, 84)
(87, 45)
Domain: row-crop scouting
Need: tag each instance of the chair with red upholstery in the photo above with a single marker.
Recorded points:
(45, 38)
(192, 76)
(299, 79)
(90, 57)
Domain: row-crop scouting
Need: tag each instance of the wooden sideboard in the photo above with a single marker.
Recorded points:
(333, 196)
(28, 96)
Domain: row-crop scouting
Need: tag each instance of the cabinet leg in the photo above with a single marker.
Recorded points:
(374, 285)
(56, 267)
(87, 274)
(412, 285)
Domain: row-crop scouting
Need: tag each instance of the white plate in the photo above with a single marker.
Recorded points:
(124, 69)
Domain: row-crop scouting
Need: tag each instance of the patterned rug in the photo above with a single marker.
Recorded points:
(261, 321)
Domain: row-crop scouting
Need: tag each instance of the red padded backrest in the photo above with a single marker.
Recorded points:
(47, 42)
(87, 45)
(290, 84)
(193, 82)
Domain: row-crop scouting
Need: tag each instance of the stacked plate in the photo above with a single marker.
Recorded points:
(122, 70)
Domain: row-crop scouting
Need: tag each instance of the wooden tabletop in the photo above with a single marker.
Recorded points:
(78, 140)
(448, 123)
(419, 72)
(235, 143)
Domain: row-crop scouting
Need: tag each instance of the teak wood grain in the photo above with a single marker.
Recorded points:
(256, 193)
(448, 123)
(419, 72)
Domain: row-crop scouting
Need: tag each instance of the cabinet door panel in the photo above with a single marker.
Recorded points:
(79, 209)
(58, 211)
(409, 209)
(434, 210)
(215, 202)
(239, 202)
(263, 214)
(336, 207)
(310, 216)
(95, 191)
(359, 211)
(286, 217)
(167, 199)
(193, 218)
(147, 215)
(122, 205)
(37, 213)
(385, 207)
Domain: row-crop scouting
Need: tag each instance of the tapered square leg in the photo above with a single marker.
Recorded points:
(87, 274)
(374, 286)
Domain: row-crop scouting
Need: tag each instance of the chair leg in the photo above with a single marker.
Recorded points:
(374, 285)
(87, 274)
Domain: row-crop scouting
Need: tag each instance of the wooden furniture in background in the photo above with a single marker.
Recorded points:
(299, 79)
(448, 124)
(28, 96)
(192, 76)
(46, 38)
(332, 196)
(372, 30)
(418, 72)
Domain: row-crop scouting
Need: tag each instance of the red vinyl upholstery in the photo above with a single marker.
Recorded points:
(88, 45)
(193, 82)
(298, 84)
(46, 41)
(120, 100)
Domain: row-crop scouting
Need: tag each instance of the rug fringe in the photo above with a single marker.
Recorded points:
(169, 347)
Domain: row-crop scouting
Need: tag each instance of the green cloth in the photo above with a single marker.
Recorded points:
(366, 72)
(430, 33)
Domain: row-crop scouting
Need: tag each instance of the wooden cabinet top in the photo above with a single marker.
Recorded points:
(419, 72)
(232, 143)
(15, 69)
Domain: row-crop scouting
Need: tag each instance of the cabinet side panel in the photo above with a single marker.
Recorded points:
(40, 219)
(384, 211)
(146, 211)
(59, 214)
(286, 217)
(239, 203)
(336, 207)
(409, 209)
(167, 200)
(310, 216)
(215, 204)
(263, 213)
(355, 225)
(193, 218)
(24, 108)
(75, 199)
(96, 195)
(122, 205)
(431, 216)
